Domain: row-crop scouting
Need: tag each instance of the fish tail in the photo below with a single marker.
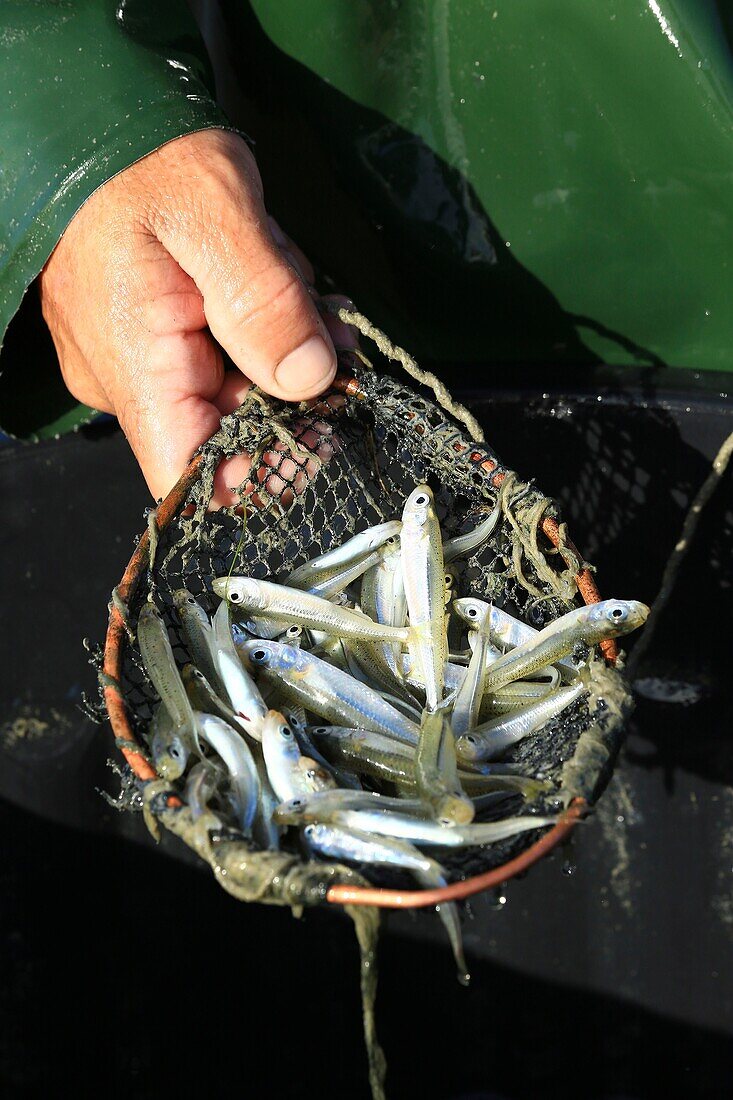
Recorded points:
(448, 913)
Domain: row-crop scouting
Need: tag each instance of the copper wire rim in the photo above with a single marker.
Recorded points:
(143, 769)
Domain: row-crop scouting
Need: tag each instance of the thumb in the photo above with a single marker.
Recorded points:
(256, 306)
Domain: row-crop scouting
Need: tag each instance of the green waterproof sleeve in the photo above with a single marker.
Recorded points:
(87, 87)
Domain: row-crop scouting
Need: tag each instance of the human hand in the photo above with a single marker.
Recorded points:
(165, 265)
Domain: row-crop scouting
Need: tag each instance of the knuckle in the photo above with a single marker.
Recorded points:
(274, 296)
(218, 168)
(224, 158)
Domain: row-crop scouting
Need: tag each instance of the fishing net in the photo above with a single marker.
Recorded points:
(321, 473)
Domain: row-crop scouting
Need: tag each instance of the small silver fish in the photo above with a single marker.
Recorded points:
(381, 757)
(494, 737)
(423, 575)
(467, 703)
(431, 834)
(517, 694)
(293, 606)
(204, 698)
(436, 772)
(326, 690)
(290, 773)
(201, 784)
(170, 747)
(370, 754)
(335, 584)
(382, 590)
(240, 764)
(161, 667)
(338, 842)
(587, 625)
(383, 822)
(296, 718)
(323, 567)
(243, 694)
(383, 600)
(463, 545)
(265, 831)
(342, 778)
(504, 629)
(199, 635)
(320, 805)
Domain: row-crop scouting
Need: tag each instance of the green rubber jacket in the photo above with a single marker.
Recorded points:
(87, 87)
(498, 183)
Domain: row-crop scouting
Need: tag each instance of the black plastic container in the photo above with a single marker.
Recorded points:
(607, 971)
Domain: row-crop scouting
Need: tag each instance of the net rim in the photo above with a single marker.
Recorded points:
(142, 768)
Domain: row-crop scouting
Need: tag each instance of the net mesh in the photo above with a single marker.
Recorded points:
(322, 473)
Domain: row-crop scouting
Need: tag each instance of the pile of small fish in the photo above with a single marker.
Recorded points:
(423, 692)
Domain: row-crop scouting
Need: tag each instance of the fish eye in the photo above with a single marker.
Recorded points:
(286, 731)
(471, 739)
(297, 803)
(320, 729)
(618, 613)
(190, 599)
(175, 752)
(259, 655)
(234, 597)
(422, 499)
(472, 612)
